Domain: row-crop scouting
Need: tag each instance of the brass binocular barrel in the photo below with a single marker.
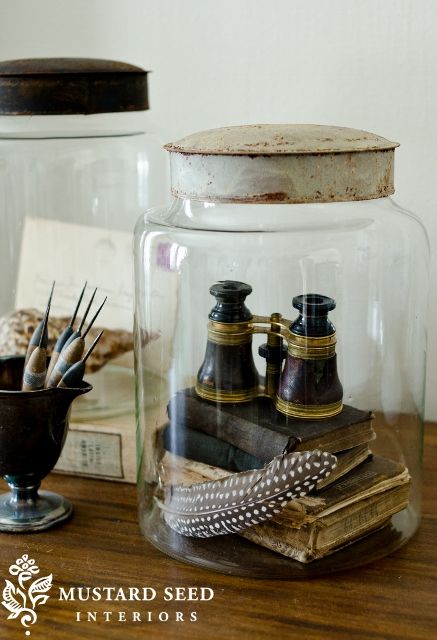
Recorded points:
(228, 373)
(309, 386)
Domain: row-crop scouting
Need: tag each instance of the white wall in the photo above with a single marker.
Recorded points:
(367, 64)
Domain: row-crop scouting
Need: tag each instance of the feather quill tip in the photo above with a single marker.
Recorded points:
(241, 500)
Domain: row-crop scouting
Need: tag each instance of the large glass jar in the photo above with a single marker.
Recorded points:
(78, 164)
(273, 222)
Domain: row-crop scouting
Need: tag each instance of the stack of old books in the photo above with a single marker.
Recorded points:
(204, 441)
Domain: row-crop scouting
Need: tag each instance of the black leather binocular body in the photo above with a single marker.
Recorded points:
(309, 385)
(306, 386)
(228, 372)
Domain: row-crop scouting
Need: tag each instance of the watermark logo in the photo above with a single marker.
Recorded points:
(23, 597)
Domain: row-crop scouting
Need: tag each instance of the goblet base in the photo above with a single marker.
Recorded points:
(25, 516)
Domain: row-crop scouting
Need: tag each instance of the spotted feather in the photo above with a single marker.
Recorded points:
(240, 500)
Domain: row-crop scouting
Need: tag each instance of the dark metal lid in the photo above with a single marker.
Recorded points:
(55, 86)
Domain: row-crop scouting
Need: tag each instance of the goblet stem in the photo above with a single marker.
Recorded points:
(25, 508)
(23, 496)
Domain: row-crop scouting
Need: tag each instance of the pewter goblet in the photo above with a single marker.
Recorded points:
(33, 428)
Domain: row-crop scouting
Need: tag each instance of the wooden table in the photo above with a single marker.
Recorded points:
(102, 547)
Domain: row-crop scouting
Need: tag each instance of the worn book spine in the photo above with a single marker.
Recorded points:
(346, 461)
(313, 541)
(202, 447)
(259, 430)
(187, 411)
(198, 446)
(101, 450)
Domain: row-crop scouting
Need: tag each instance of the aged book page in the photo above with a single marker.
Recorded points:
(332, 532)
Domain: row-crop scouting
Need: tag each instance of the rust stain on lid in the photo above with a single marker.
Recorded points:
(282, 163)
(280, 139)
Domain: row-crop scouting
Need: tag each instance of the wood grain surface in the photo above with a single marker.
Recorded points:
(101, 546)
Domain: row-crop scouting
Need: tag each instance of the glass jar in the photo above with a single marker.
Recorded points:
(77, 166)
(252, 409)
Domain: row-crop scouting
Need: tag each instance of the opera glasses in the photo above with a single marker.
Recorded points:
(305, 386)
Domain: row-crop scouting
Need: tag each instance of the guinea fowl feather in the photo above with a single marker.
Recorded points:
(240, 500)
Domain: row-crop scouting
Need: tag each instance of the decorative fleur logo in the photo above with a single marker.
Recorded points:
(22, 599)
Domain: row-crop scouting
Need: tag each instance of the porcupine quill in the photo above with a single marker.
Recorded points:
(40, 332)
(77, 333)
(234, 503)
(56, 375)
(35, 369)
(64, 336)
(73, 377)
(72, 352)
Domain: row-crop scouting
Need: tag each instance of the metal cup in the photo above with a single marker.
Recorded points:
(33, 428)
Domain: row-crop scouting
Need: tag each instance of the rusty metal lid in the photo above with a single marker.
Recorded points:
(55, 86)
(293, 163)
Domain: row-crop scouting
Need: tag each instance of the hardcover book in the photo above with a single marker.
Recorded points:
(316, 525)
(363, 501)
(261, 431)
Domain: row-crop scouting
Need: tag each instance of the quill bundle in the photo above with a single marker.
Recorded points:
(241, 500)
